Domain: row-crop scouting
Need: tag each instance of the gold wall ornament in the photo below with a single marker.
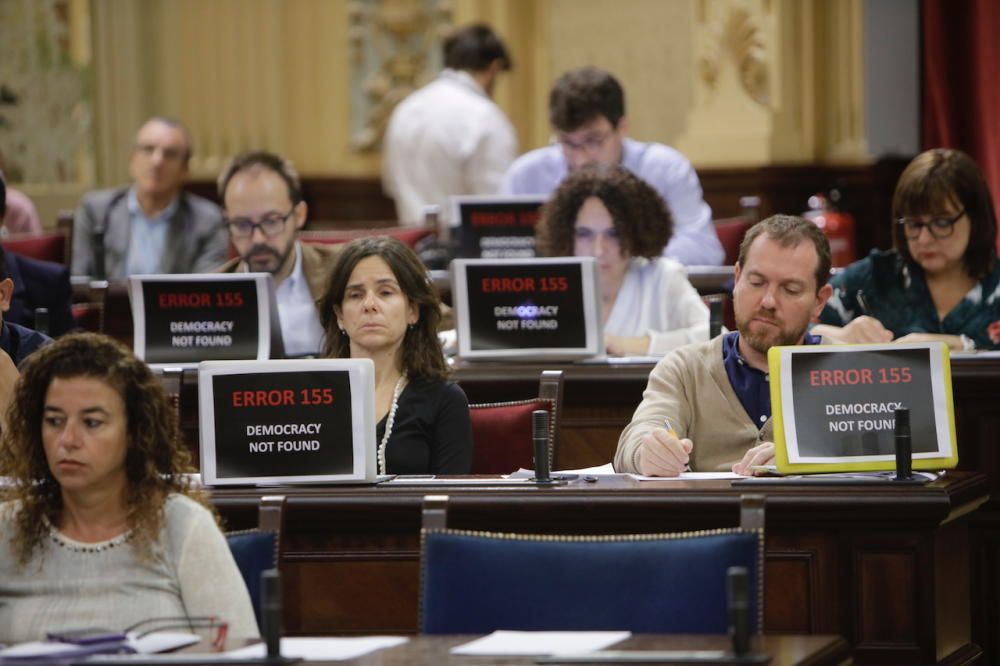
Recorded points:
(46, 112)
(735, 36)
(395, 47)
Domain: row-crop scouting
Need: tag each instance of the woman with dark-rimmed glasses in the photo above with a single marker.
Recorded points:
(942, 280)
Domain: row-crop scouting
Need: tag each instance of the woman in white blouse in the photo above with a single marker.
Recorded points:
(648, 305)
(101, 526)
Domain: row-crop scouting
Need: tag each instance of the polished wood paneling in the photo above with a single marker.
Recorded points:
(866, 192)
(351, 554)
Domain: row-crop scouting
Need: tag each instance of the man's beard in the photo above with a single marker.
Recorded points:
(779, 337)
(267, 249)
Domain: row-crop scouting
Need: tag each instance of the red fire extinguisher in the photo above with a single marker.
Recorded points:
(837, 226)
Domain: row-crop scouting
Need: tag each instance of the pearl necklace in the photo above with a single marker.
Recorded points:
(400, 383)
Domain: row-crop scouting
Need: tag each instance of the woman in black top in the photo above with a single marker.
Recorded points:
(380, 304)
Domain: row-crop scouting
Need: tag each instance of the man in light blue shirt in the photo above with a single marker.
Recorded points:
(587, 113)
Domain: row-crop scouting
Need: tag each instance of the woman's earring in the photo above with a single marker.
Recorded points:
(343, 332)
(411, 327)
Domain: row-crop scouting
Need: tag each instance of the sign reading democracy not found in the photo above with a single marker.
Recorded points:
(526, 308)
(287, 421)
(835, 405)
(492, 227)
(191, 318)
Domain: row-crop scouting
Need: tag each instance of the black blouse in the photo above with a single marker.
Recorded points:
(431, 433)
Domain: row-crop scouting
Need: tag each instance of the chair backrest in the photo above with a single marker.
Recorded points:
(257, 550)
(501, 431)
(410, 235)
(478, 582)
(47, 246)
(731, 231)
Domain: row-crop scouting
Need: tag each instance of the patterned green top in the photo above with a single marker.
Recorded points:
(884, 286)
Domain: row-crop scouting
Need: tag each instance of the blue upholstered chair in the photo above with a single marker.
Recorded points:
(478, 582)
(257, 550)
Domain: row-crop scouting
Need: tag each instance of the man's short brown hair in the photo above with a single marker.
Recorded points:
(262, 160)
(789, 231)
(580, 95)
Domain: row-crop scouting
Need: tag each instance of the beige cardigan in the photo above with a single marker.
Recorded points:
(690, 387)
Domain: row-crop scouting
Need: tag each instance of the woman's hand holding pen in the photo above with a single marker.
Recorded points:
(663, 453)
(861, 330)
(865, 329)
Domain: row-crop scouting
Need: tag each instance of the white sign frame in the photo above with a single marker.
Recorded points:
(268, 326)
(362, 381)
(594, 346)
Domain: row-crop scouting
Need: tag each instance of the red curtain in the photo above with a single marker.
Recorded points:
(961, 82)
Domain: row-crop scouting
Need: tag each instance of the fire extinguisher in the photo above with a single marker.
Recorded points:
(836, 225)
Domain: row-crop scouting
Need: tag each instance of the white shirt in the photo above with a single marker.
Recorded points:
(300, 327)
(657, 300)
(448, 138)
(694, 241)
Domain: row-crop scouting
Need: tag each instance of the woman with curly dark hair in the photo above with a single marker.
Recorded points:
(380, 304)
(607, 213)
(100, 521)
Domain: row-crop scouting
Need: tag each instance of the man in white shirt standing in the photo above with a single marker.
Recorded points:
(587, 114)
(449, 137)
(264, 211)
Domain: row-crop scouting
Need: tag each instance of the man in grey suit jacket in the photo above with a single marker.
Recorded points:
(151, 226)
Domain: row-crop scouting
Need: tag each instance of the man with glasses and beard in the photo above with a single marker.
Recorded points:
(264, 211)
(707, 406)
(587, 114)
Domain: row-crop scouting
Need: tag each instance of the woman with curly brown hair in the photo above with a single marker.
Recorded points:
(381, 305)
(101, 525)
(607, 213)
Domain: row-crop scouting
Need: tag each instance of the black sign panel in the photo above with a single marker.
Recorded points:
(276, 424)
(526, 306)
(844, 402)
(498, 229)
(188, 321)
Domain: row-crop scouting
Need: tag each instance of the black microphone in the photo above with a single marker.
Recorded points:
(270, 602)
(714, 316)
(540, 438)
(904, 447)
(738, 605)
(42, 320)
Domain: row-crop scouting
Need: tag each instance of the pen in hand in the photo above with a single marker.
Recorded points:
(673, 433)
(863, 303)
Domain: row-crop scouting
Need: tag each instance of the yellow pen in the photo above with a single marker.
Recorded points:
(673, 433)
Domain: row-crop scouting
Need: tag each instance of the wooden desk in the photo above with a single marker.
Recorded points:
(886, 567)
(785, 650)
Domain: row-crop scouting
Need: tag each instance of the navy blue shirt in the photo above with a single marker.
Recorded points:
(751, 385)
(19, 341)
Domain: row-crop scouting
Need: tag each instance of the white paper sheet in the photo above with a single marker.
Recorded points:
(540, 642)
(323, 649)
(689, 476)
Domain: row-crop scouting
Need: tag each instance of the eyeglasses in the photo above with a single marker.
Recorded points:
(589, 144)
(269, 225)
(938, 227)
(170, 153)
